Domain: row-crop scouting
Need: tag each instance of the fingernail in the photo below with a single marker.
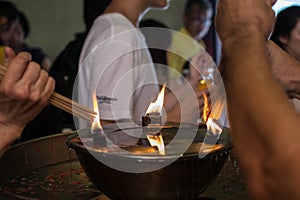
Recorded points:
(26, 55)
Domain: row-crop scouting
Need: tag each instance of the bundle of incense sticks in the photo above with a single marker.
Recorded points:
(65, 103)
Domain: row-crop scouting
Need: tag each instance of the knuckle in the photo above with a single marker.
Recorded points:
(15, 92)
(44, 73)
(20, 94)
(35, 97)
(34, 66)
(6, 90)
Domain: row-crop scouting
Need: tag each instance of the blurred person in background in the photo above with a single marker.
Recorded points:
(15, 29)
(160, 37)
(196, 23)
(64, 70)
(286, 34)
(18, 43)
(116, 64)
(9, 17)
(159, 56)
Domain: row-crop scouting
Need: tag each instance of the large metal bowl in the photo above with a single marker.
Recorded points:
(184, 177)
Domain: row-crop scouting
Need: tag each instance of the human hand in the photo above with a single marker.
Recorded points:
(24, 90)
(248, 18)
(285, 69)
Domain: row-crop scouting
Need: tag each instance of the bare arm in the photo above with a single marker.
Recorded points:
(265, 127)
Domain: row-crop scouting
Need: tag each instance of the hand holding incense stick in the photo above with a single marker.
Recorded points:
(64, 103)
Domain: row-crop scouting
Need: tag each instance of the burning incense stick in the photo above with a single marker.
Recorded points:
(65, 104)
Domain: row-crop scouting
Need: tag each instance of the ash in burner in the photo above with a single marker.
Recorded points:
(62, 181)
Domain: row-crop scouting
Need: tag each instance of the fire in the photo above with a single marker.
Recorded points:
(157, 141)
(213, 127)
(96, 124)
(154, 112)
(205, 108)
(156, 107)
(211, 124)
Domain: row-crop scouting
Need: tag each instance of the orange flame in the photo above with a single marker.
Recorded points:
(156, 107)
(96, 124)
(157, 141)
(205, 108)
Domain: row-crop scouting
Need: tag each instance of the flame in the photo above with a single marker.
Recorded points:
(213, 127)
(205, 108)
(156, 140)
(96, 124)
(156, 107)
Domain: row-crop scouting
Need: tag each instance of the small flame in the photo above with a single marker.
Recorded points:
(213, 133)
(213, 127)
(96, 124)
(156, 107)
(205, 108)
(157, 141)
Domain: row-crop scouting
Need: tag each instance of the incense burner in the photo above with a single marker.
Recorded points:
(132, 171)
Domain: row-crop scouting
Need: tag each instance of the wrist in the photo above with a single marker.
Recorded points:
(9, 133)
(242, 40)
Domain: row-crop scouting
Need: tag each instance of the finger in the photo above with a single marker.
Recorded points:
(31, 74)
(41, 82)
(37, 88)
(16, 68)
(49, 89)
(9, 54)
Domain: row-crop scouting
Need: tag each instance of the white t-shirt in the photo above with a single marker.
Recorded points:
(116, 63)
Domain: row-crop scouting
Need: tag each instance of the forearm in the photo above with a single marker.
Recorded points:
(262, 119)
(252, 90)
(8, 134)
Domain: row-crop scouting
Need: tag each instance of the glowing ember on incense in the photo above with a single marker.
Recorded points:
(153, 113)
(99, 138)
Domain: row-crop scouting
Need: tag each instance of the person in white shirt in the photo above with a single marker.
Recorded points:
(116, 64)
